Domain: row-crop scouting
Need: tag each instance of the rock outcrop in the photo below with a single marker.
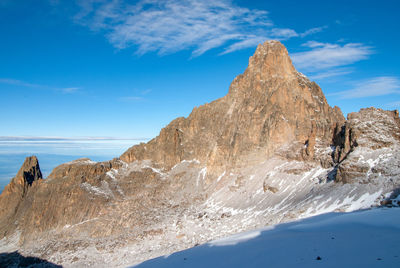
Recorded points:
(28, 177)
(33, 205)
(269, 107)
(270, 151)
(372, 137)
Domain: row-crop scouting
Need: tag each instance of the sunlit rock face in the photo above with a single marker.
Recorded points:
(269, 107)
(369, 151)
(27, 179)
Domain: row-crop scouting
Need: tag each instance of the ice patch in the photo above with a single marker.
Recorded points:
(365, 201)
(79, 223)
(155, 170)
(104, 190)
(202, 174)
(112, 174)
(220, 177)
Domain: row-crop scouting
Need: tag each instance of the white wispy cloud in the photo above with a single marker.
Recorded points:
(324, 56)
(283, 33)
(173, 25)
(137, 96)
(249, 42)
(331, 73)
(69, 89)
(131, 99)
(287, 33)
(18, 83)
(377, 86)
(15, 82)
(313, 31)
(145, 92)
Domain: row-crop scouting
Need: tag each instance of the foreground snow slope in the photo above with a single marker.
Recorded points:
(369, 238)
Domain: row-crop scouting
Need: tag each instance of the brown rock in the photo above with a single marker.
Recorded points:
(66, 197)
(272, 189)
(26, 176)
(16, 191)
(371, 129)
(268, 107)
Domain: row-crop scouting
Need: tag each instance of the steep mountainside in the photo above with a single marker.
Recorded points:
(270, 151)
(270, 106)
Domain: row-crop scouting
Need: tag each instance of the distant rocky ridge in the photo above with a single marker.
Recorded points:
(270, 151)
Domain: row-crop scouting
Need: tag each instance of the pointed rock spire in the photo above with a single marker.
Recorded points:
(29, 172)
(16, 191)
(272, 58)
(26, 176)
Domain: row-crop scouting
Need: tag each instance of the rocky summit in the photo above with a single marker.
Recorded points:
(270, 151)
(268, 107)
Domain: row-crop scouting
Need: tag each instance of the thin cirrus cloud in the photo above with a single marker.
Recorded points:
(324, 60)
(377, 86)
(20, 83)
(313, 31)
(15, 82)
(136, 98)
(131, 99)
(326, 55)
(166, 27)
(331, 73)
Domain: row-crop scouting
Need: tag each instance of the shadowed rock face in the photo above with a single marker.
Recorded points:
(262, 154)
(28, 177)
(268, 107)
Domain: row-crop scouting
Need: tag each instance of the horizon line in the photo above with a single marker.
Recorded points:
(59, 138)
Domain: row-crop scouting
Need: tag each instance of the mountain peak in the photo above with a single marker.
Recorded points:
(29, 172)
(17, 190)
(269, 66)
(26, 176)
(272, 58)
(268, 107)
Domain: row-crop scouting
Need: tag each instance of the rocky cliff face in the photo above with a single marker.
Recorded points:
(369, 149)
(269, 107)
(33, 205)
(270, 151)
(27, 179)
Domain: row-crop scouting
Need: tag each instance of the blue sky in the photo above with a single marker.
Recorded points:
(127, 68)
